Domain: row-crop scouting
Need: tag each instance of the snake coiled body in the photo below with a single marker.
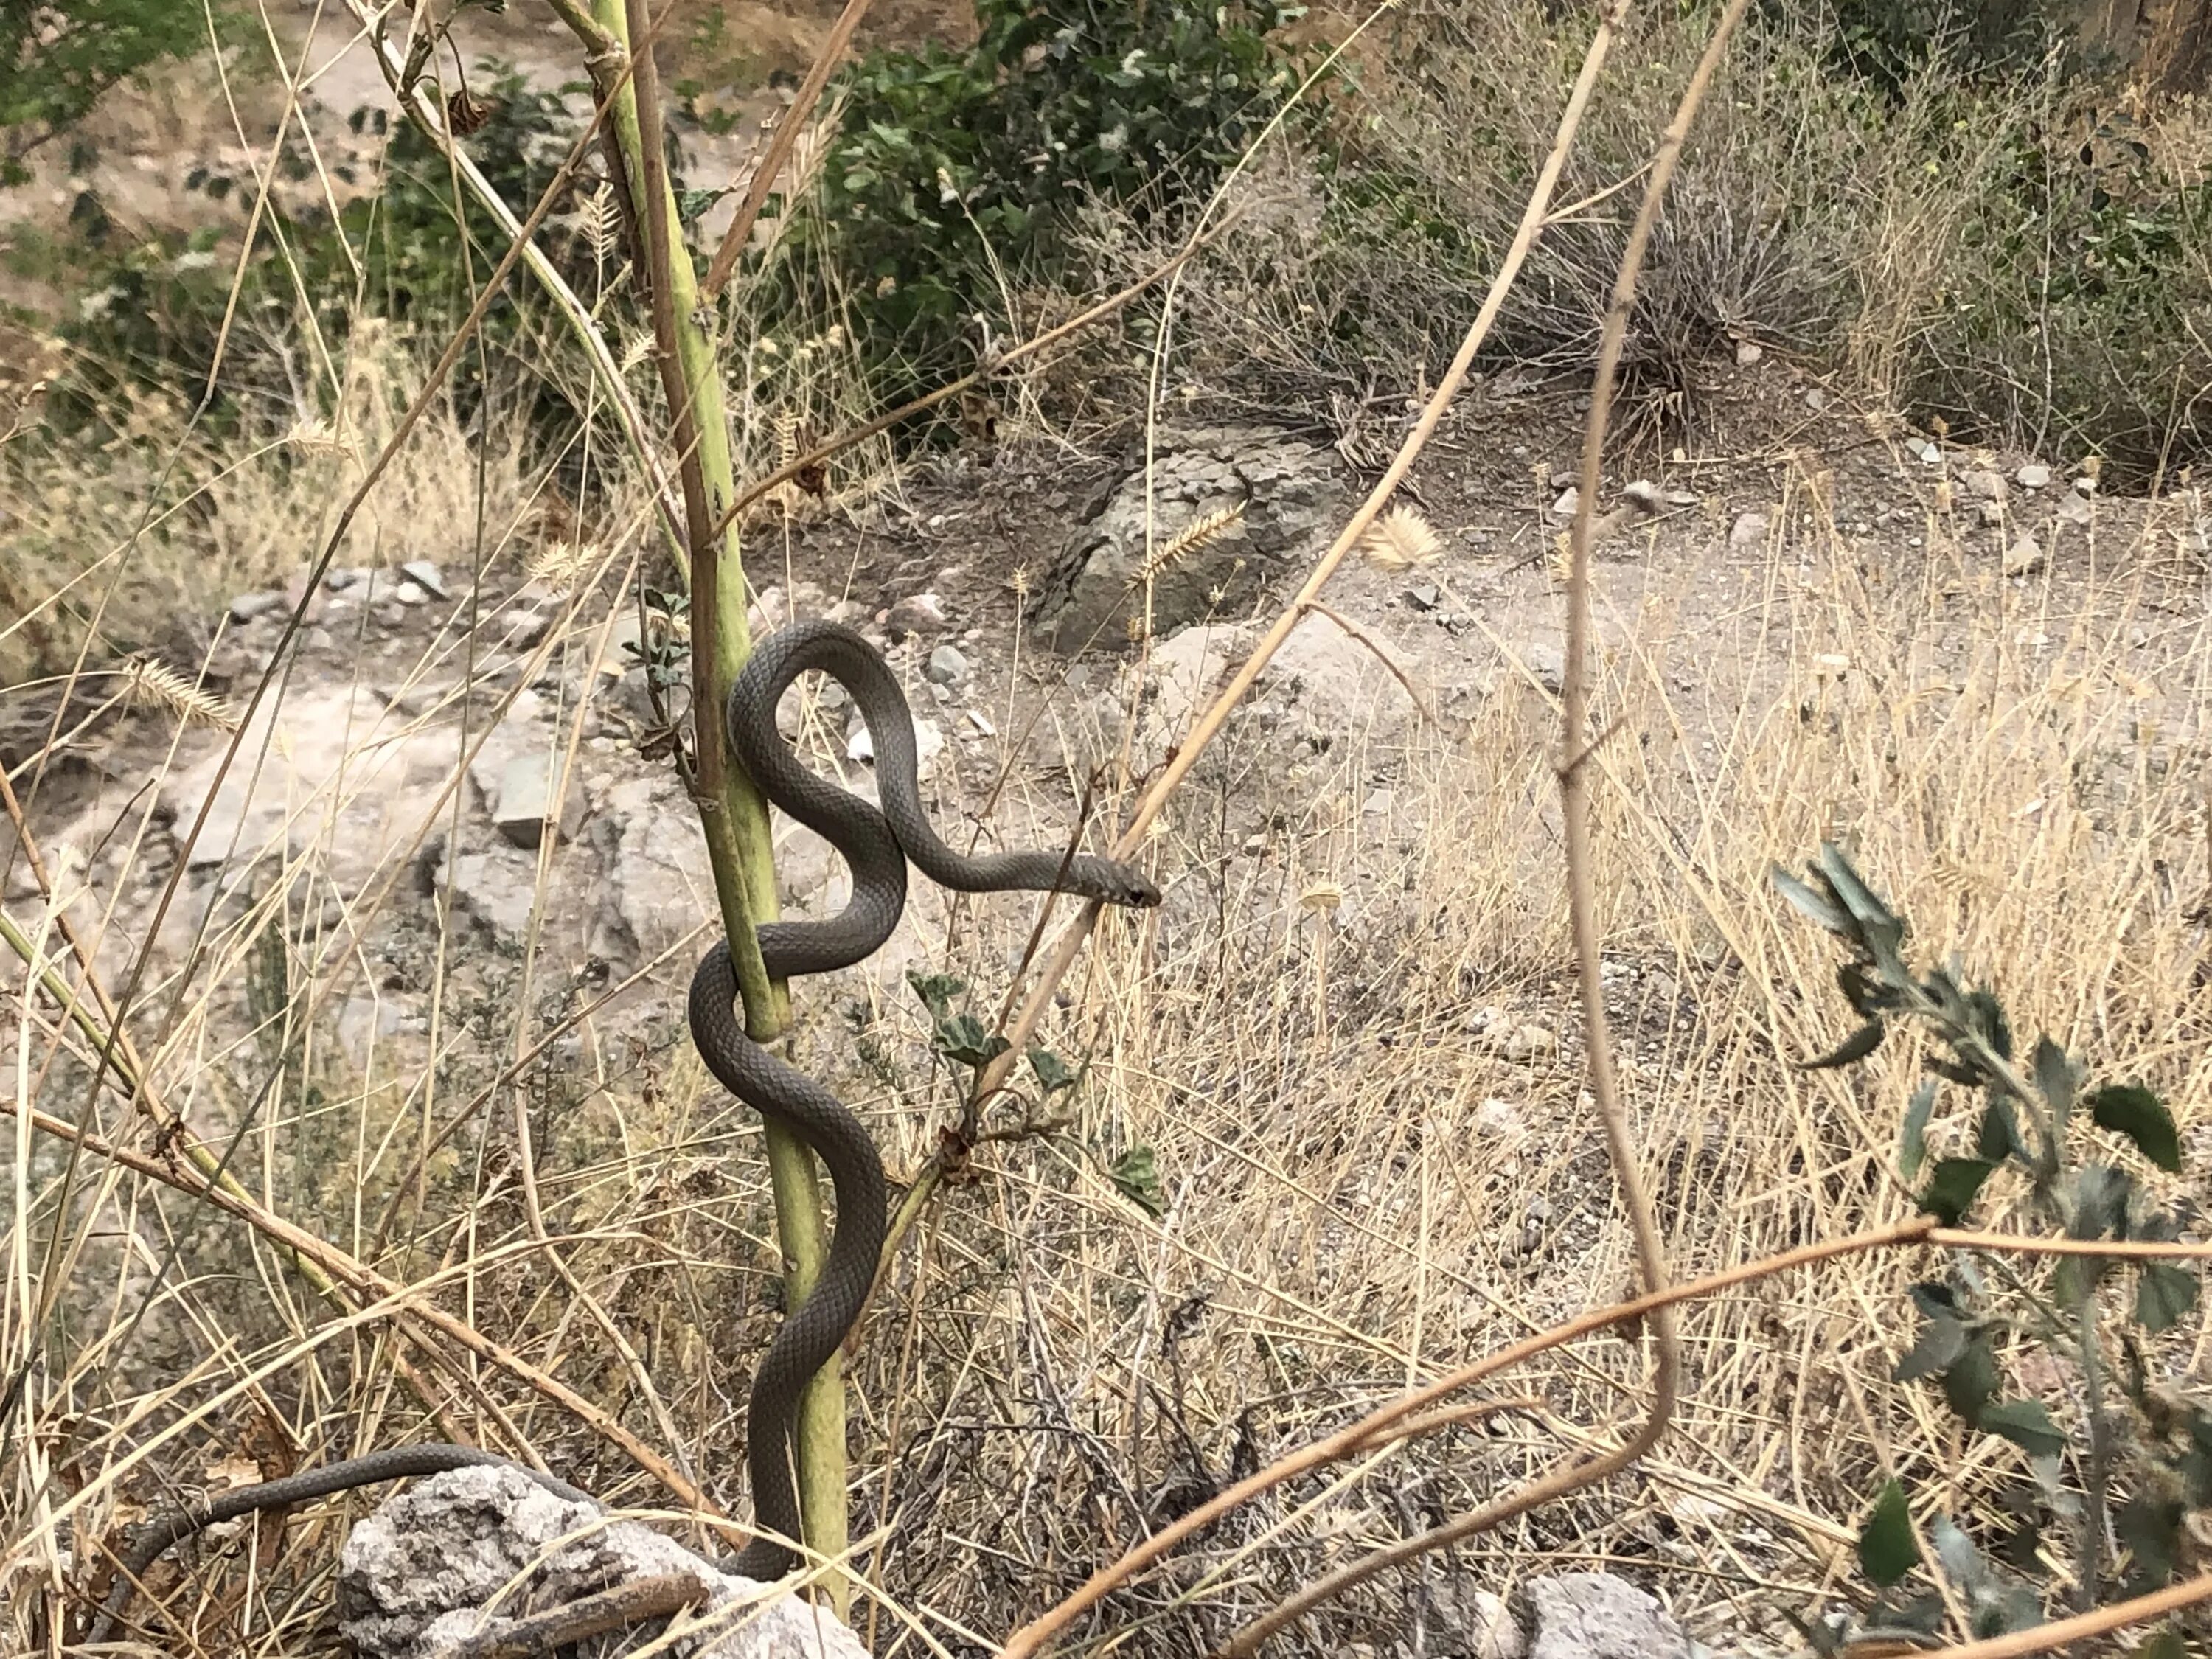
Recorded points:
(877, 844)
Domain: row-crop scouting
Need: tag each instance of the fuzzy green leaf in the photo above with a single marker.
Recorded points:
(2054, 1075)
(1972, 1381)
(2165, 1295)
(1912, 1143)
(1815, 904)
(1138, 1178)
(963, 1038)
(1858, 1046)
(2126, 1109)
(2028, 1424)
(936, 991)
(1999, 1136)
(1953, 1186)
(1940, 1343)
(1052, 1071)
(1888, 1549)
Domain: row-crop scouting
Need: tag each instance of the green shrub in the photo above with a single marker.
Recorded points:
(959, 174)
(56, 60)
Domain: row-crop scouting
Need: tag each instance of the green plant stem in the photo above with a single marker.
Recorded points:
(731, 811)
(2092, 1549)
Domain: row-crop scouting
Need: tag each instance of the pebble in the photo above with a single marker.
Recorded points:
(1748, 352)
(1422, 599)
(1570, 499)
(424, 575)
(1923, 451)
(2032, 476)
(2084, 486)
(1816, 400)
(918, 613)
(1985, 483)
(2024, 557)
(247, 606)
(947, 667)
(1749, 530)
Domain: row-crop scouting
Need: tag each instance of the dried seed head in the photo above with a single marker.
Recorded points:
(1401, 539)
(1192, 537)
(153, 682)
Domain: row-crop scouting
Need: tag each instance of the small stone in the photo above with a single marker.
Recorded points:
(1748, 352)
(1500, 1118)
(1547, 662)
(1990, 512)
(1570, 499)
(2072, 509)
(918, 613)
(2032, 476)
(344, 577)
(1924, 451)
(2084, 486)
(525, 785)
(850, 612)
(247, 607)
(1749, 530)
(1562, 476)
(1531, 1043)
(1816, 400)
(947, 667)
(421, 573)
(1378, 804)
(860, 742)
(1984, 484)
(2024, 557)
(1423, 597)
(408, 594)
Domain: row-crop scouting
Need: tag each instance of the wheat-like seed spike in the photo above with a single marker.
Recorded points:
(787, 438)
(318, 437)
(558, 564)
(153, 681)
(1401, 539)
(1187, 540)
(602, 223)
(639, 348)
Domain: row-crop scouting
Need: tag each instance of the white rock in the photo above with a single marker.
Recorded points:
(1598, 1615)
(1570, 499)
(2032, 476)
(1748, 352)
(425, 576)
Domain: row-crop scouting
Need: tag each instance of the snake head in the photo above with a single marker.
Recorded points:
(1117, 884)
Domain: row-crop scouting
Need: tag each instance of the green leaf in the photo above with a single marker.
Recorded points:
(1888, 1549)
(1858, 1046)
(963, 1038)
(2166, 1644)
(2027, 1424)
(1052, 1072)
(2165, 1295)
(1952, 1186)
(2126, 1109)
(1138, 1178)
(1940, 1343)
(1971, 1380)
(1912, 1143)
(1999, 1137)
(936, 991)
(2054, 1075)
(2097, 1206)
(2151, 1528)
(1823, 911)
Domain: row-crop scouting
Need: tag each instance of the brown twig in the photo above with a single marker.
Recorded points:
(1358, 635)
(619, 1608)
(1370, 1430)
(780, 147)
(1582, 901)
(2102, 1622)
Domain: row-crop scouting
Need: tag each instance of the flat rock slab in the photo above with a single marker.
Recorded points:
(1597, 1615)
(466, 1555)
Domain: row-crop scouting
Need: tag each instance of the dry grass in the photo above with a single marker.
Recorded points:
(1354, 1198)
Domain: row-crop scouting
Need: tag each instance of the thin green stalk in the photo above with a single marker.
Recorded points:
(733, 815)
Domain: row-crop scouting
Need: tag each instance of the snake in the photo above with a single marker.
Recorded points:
(877, 841)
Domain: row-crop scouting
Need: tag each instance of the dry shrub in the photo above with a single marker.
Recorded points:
(130, 534)
(1345, 1204)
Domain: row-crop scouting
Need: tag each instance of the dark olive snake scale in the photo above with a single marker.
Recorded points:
(877, 844)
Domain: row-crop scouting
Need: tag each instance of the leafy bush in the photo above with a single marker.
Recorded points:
(2135, 1462)
(55, 61)
(960, 172)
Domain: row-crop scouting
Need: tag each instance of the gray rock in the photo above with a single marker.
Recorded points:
(524, 794)
(1749, 530)
(660, 886)
(1292, 494)
(2085, 485)
(1983, 485)
(1469, 1622)
(247, 607)
(1748, 352)
(1597, 1615)
(947, 666)
(918, 613)
(2033, 475)
(1816, 399)
(1547, 662)
(1570, 499)
(497, 887)
(344, 577)
(455, 1556)
(2071, 508)
(1423, 597)
(422, 575)
(1923, 451)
